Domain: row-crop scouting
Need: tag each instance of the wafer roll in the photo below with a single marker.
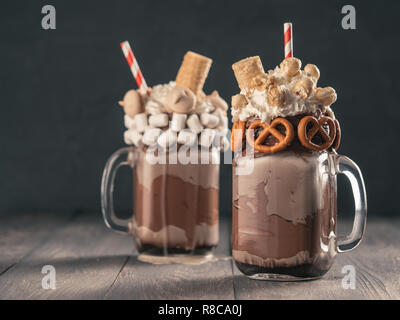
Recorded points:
(246, 70)
(193, 72)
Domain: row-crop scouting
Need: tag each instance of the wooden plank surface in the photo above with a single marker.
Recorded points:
(376, 262)
(93, 262)
(87, 258)
(211, 280)
(21, 233)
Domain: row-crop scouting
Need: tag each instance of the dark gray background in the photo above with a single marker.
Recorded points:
(59, 88)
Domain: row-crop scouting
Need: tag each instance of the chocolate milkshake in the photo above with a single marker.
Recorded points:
(176, 206)
(284, 211)
(177, 132)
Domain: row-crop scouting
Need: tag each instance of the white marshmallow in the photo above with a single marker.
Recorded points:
(207, 137)
(129, 122)
(223, 124)
(187, 137)
(209, 120)
(167, 139)
(158, 120)
(178, 121)
(127, 137)
(151, 135)
(221, 142)
(132, 136)
(223, 119)
(225, 144)
(194, 124)
(141, 122)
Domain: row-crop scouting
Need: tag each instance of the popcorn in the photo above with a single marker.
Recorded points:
(326, 96)
(312, 71)
(291, 67)
(276, 96)
(303, 87)
(282, 92)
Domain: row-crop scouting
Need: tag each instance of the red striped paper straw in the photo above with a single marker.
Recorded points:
(288, 36)
(133, 65)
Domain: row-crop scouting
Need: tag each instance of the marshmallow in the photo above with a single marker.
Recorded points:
(194, 124)
(141, 122)
(223, 119)
(180, 100)
(221, 142)
(127, 138)
(151, 135)
(129, 122)
(209, 120)
(223, 125)
(158, 120)
(178, 121)
(225, 144)
(132, 103)
(217, 101)
(187, 137)
(132, 137)
(207, 137)
(167, 139)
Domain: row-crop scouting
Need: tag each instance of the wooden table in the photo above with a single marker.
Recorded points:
(93, 262)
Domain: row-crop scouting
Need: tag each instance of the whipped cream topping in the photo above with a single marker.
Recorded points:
(294, 104)
(155, 102)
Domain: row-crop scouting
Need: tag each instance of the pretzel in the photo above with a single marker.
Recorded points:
(283, 139)
(336, 142)
(238, 129)
(306, 137)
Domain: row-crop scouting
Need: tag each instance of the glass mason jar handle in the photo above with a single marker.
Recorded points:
(115, 161)
(343, 165)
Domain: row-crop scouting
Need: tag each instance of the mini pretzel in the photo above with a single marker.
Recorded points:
(336, 143)
(283, 139)
(237, 135)
(317, 126)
